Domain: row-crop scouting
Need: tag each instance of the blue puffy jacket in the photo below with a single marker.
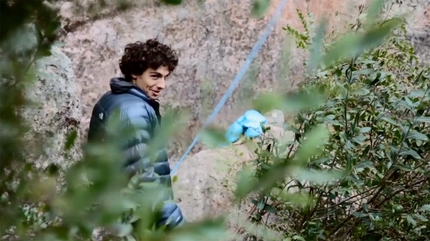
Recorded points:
(141, 114)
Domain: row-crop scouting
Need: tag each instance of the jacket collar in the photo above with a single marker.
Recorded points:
(119, 85)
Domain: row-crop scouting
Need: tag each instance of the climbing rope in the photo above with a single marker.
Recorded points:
(237, 79)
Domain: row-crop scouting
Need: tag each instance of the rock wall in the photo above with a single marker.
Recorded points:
(56, 112)
(418, 13)
(212, 37)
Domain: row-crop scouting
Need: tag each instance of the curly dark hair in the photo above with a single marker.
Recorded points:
(138, 57)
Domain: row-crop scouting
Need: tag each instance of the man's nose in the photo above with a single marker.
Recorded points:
(161, 84)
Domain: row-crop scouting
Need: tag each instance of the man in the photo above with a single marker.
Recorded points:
(145, 67)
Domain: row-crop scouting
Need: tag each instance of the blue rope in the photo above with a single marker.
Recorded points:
(237, 79)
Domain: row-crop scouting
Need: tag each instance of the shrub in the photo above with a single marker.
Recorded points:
(377, 110)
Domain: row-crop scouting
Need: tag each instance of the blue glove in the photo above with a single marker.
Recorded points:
(248, 124)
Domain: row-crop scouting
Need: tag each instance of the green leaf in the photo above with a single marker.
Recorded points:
(270, 209)
(268, 101)
(420, 217)
(208, 230)
(417, 93)
(359, 214)
(404, 167)
(365, 129)
(412, 153)
(260, 231)
(374, 10)
(361, 92)
(354, 44)
(365, 164)
(244, 182)
(130, 238)
(389, 120)
(70, 140)
(298, 237)
(411, 220)
(424, 119)
(313, 144)
(123, 229)
(259, 7)
(316, 47)
(261, 205)
(173, 122)
(425, 208)
(292, 102)
(305, 100)
(341, 49)
(413, 134)
(318, 177)
(213, 137)
(375, 35)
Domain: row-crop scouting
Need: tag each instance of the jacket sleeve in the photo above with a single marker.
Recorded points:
(171, 216)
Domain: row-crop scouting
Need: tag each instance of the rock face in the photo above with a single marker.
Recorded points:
(419, 25)
(211, 54)
(57, 111)
(213, 39)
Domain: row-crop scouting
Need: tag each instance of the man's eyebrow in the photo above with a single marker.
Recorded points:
(158, 73)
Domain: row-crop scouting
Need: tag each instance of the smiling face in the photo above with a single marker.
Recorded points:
(152, 81)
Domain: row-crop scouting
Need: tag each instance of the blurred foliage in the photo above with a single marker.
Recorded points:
(370, 179)
(357, 164)
(52, 204)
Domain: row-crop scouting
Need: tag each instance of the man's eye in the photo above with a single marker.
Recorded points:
(154, 77)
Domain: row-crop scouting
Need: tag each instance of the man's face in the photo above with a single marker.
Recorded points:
(152, 81)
